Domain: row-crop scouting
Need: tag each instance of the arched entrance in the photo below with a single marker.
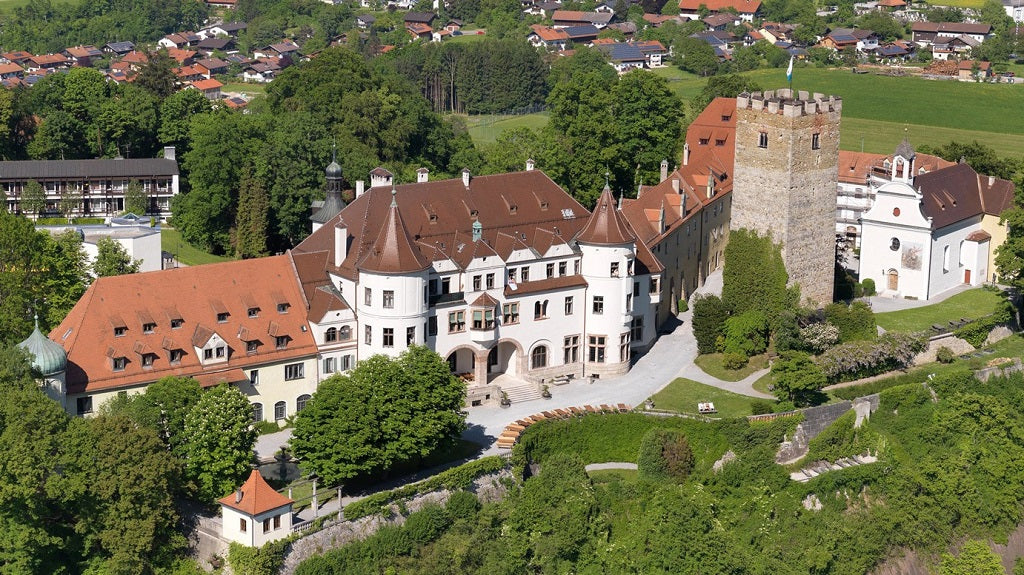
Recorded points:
(504, 358)
(462, 361)
(893, 277)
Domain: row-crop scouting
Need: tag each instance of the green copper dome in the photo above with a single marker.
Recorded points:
(47, 356)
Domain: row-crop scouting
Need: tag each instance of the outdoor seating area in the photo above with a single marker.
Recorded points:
(512, 431)
(706, 407)
(466, 377)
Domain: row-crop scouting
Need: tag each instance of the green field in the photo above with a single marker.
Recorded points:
(711, 364)
(170, 241)
(977, 4)
(970, 304)
(243, 87)
(683, 395)
(878, 111)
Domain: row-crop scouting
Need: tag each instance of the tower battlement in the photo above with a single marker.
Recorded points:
(782, 101)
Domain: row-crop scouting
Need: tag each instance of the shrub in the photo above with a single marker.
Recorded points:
(976, 332)
(427, 524)
(868, 287)
(709, 315)
(856, 321)
(859, 359)
(839, 440)
(264, 560)
(754, 277)
(760, 407)
(682, 305)
(665, 454)
(945, 355)
(462, 505)
(818, 337)
(734, 361)
(746, 334)
(796, 377)
(264, 427)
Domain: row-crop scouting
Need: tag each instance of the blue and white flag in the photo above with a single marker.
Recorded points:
(789, 71)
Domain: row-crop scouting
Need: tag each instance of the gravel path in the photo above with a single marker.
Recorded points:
(610, 465)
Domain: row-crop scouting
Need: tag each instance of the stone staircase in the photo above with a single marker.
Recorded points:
(522, 392)
(808, 473)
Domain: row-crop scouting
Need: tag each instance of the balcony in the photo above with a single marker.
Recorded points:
(445, 298)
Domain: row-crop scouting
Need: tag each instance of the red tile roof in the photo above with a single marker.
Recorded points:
(393, 252)
(193, 294)
(208, 84)
(606, 225)
(741, 6)
(257, 496)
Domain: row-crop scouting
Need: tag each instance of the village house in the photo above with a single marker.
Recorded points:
(82, 55)
(119, 48)
(211, 88)
(974, 70)
(747, 9)
(572, 18)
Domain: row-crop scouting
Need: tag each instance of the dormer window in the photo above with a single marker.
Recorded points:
(176, 355)
(219, 351)
(254, 312)
(282, 307)
(281, 341)
(251, 346)
(222, 317)
(148, 327)
(176, 323)
(703, 141)
(120, 331)
(147, 359)
(120, 363)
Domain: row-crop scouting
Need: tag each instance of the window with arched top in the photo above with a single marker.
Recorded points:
(300, 402)
(257, 412)
(345, 333)
(280, 411)
(539, 357)
(331, 334)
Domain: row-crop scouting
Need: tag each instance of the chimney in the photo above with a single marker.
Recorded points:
(664, 170)
(340, 243)
(238, 495)
(686, 154)
(675, 185)
(530, 165)
(169, 153)
(422, 175)
(682, 206)
(465, 177)
(991, 181)
(711, 184)
(360, 186)
(478, 231)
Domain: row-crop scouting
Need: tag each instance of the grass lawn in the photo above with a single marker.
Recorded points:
(170, 241)
(958, 3)
(970, 304)
(244, 87)
(875, 136)
(486, 128)
(763, 382)
(613, 475)
(683, 395)
(712, 365)
(684, 84)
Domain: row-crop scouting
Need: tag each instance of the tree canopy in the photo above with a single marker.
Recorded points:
(217, 441)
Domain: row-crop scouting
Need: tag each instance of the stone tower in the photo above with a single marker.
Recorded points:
(785, 180)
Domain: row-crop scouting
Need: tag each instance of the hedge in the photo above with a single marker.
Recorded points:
(455, 478)
(976, 332)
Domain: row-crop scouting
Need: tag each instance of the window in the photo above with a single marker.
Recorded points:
(368, 335)
(331, 334)
(281, 341)
(512, 275)
(762, 140)
(345, 333)
(599, 304)
(254, 312)
(282, 307)
(539, 357)
(120, 331)
(368, 296)
(595, 349)
(389, 337)
(330, 364)
(524, 273)
(446, 285)
(510, 313)
(561, 268)
(703, 141)
(251, 346)
(176, 355)
(346, 362)
(476, 283)
(242, 525)
(636, 328)
(280, 411)
(277, 518)
(389, 299)
(571, 349)
(815, 142)
(257, 412)
(550, 270)
(629, 303)
(222, 317)
(489, 281)
(84, 405)
(254, 376)
(300, 404)
(568, 305)
(410, 336)
(219, 351)
(293, 371)
(540, 310)
(636, 289)
(576, 267)
(960, 256)
(432, 325)
(176, 323)
(456, 321)
(483, 319)
(120, 363)
(615, 269)
(148, 327)
(945, 259)
(266, 525)
(147, 360)
(624, 347)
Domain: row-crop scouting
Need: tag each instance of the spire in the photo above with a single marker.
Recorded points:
(333, 203)
(393, 252)
(905, 150)
(606, 224)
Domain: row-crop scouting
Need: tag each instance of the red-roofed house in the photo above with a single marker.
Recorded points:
(209, 87)
(11, 70)
(47, 62)
(255, 514)
(747, 9)
(83, 55)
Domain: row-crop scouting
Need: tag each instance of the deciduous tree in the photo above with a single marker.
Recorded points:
(113, 260)
(217, 444)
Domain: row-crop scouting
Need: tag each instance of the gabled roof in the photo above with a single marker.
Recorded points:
(393, 252)
(951, 27)
(208, 84)
(606, 225)
(741, 6)
(104, 168)
(257, 496)
(958, 192)
(586, 31)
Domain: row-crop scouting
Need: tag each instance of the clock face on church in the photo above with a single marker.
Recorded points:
(894, 244)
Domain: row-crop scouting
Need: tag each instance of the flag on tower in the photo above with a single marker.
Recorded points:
(789, 71)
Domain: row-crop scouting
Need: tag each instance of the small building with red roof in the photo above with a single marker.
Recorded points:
(255, 514)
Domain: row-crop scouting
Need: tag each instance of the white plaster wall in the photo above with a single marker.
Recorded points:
(409, 311)
(273, 387)
(952, 236)
(254, 535)
(880, 224)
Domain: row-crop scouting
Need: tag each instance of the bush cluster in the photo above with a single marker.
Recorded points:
(859, 359)
(665, 454)
(945, 355)
(976, 332)
(709, 316)
(734, 360)
(855, 321)
(746, 334)
(454, 478)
